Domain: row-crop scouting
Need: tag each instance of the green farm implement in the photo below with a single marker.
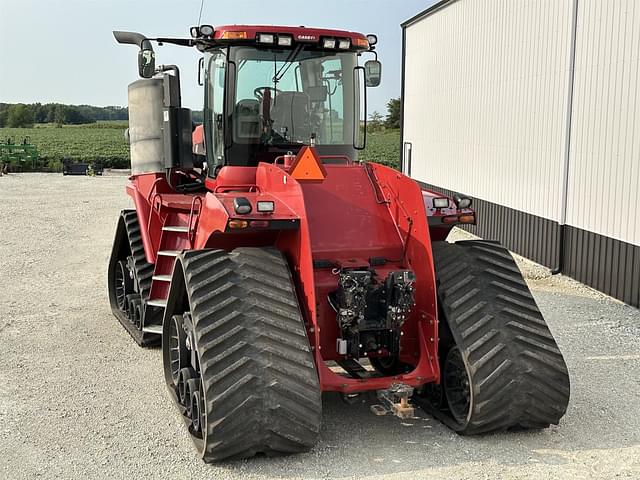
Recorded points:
(18, 156)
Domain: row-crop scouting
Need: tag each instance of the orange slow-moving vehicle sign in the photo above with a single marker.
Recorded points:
(307, 166)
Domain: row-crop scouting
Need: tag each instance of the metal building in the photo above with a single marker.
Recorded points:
(532, 107)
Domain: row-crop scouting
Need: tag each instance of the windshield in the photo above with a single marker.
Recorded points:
(277, 101)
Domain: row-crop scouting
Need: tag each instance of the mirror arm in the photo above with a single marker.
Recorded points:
(133, 38)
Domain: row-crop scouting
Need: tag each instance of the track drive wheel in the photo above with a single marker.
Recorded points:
(256, 388)
(500, 366)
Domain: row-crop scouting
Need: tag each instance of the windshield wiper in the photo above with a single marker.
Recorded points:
(287, 64)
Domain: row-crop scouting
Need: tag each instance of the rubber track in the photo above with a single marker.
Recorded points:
(261, 386)
(518, 376)
(143, 269)
(143, 273)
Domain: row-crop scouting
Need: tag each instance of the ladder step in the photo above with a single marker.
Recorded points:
(175, 228)
(157, 329)
(158, 302)
(169, 253)
(162, 278)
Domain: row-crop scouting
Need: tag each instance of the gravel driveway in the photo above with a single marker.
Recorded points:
(78, 399)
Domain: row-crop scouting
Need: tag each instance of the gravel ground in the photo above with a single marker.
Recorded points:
(78, 399)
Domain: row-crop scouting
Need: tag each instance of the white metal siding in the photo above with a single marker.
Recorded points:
(485, 100)
(604, 167)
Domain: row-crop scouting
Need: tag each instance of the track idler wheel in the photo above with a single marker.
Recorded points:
(197, 410)
(184, 376)
(456, 384)
(131, 305)
(123, 285)
(135, 311)
(191, 387)
(178, 353)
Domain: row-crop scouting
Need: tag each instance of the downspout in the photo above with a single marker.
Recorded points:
(567, 147)
(404, 53)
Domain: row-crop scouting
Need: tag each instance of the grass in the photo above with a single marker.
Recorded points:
(104, 142)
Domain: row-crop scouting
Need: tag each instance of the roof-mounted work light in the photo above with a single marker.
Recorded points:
(329, 43)
(285, 40)
(266, 38)
(206, 30)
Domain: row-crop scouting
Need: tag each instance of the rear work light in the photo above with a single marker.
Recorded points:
(442, 202)
(285, 40)
(234, 36)
(329, 43)
(266, 38)
(265, 206)
(462, 201)
(344, 44)
(241, 205)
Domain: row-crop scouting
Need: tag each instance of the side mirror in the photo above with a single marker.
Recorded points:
(146, 63)
(373, 73)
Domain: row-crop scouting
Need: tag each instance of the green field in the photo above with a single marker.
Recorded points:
(98, 142)
(383, 147)
(104, 142)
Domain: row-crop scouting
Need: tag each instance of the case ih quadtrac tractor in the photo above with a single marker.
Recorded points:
(273, 265)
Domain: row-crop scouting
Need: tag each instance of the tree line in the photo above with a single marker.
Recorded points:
(377, 122)
(20, 115)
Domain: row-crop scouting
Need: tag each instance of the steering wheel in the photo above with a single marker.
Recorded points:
(259, 92)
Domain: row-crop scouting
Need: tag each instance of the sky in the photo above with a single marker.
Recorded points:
(63, 50)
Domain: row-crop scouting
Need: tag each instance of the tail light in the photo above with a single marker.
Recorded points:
(237, 224)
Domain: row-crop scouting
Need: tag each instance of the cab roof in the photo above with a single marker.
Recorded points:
(301, 34)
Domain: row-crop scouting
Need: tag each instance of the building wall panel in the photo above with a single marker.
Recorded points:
(604, 166)
(485, 100)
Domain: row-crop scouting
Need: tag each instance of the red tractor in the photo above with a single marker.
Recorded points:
(272, 265)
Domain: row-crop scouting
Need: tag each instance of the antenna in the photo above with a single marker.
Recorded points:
(200, 14)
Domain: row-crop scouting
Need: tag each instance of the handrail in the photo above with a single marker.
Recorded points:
(224, 188)
(348, 160)
(153, 186)
(196, 199)
(153, 208)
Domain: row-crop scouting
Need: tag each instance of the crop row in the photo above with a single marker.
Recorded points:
(108, 146)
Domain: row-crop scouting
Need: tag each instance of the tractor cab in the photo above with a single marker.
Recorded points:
(269, 91)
